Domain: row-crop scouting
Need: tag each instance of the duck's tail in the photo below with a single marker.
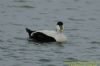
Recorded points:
(29, 31)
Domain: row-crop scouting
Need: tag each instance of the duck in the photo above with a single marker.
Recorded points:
(48, 35)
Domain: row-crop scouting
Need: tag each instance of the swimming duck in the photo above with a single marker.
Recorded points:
(48, 35)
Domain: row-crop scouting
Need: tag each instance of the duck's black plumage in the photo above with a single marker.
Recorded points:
(39, 36)
(29, 32)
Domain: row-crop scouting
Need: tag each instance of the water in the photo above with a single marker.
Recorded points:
(82, 27)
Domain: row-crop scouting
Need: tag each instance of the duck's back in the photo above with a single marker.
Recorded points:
(49, 33)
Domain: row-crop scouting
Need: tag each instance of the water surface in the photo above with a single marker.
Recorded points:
(82, 27)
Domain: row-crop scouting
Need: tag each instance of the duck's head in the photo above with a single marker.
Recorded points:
(60, 26)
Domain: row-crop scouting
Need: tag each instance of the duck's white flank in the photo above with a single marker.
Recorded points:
(60, 37)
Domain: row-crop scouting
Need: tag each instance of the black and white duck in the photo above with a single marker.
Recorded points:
(48, 35)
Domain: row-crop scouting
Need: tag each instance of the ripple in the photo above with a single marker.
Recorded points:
(74, 19)
(88, 2)
(3, 48)
(50, 65)
(71, 59)
(97, 10)
(93, 48)
(26, 6)
(14, 56)
(36, 18)
(1, 59)
(76, 0)
(17, 24)
(49, 1)
(23, 6)
(95, 42)
(92, 19)
(10, 41)
(73, 29)
(71, 9)
(18, 38)
(20, 1)
(17, 65)
(44, 60)
(43, 13)
(1, 31)
(59, 52)
(3, 12)
(1, 40)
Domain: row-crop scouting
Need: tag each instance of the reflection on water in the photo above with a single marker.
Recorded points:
(81, 22)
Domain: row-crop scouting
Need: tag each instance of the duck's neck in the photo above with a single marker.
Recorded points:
(59, 32)
(59, 29)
